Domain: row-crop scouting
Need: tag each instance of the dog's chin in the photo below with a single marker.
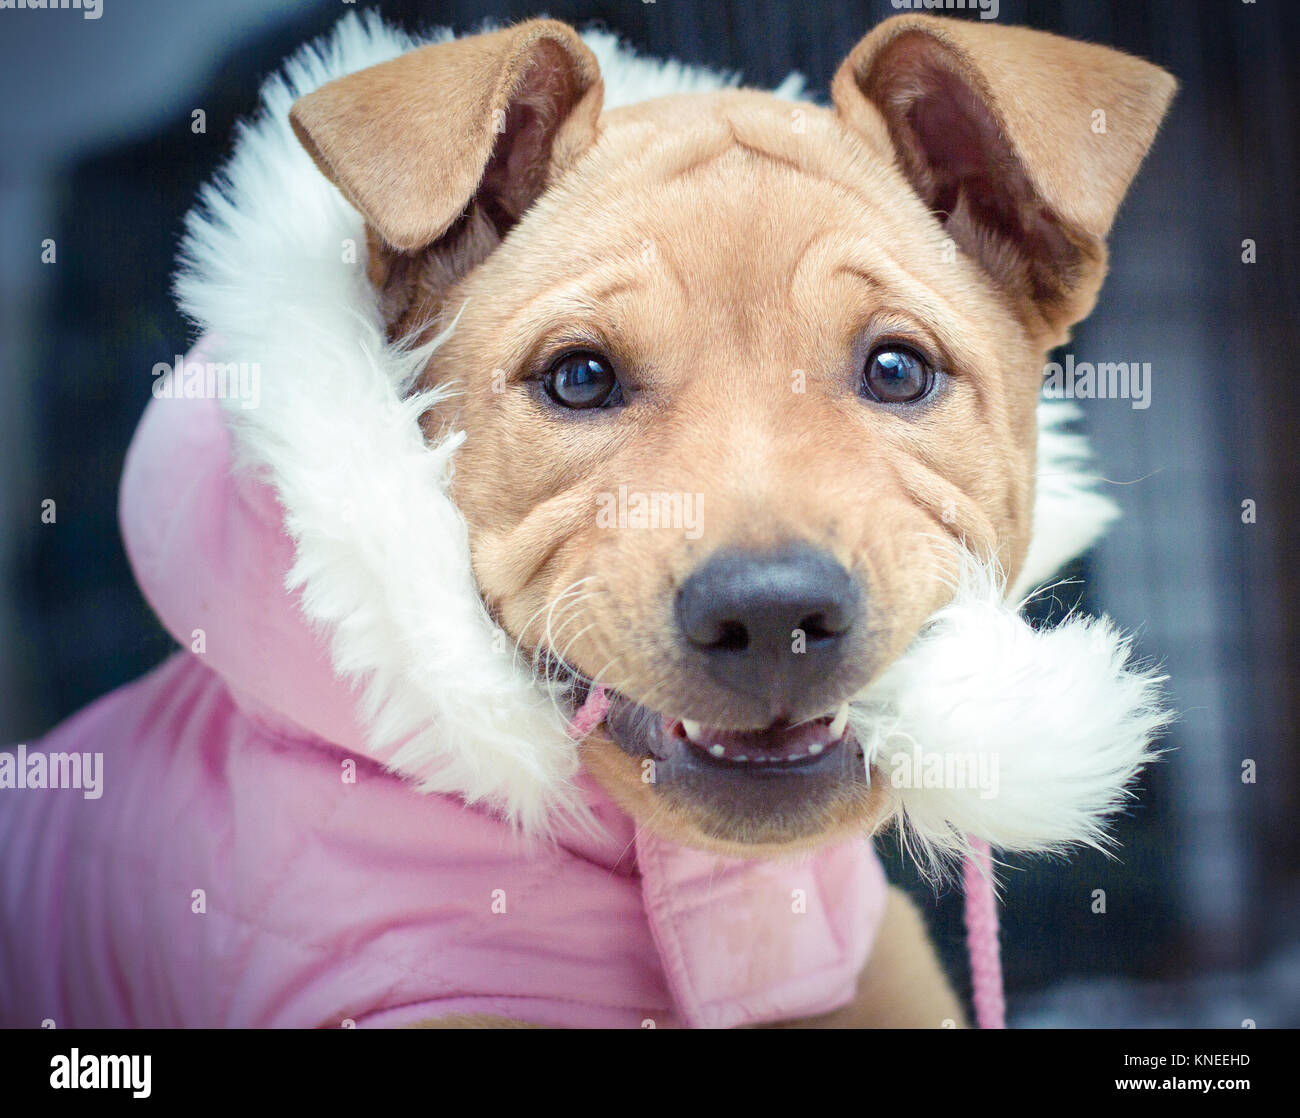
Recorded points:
(739, 792)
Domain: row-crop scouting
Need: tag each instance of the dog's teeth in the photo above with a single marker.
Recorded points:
(839, 723)
(815, 748)
(693, 729)
(717, 751)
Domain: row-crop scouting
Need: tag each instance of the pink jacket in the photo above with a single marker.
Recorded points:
(248, 865)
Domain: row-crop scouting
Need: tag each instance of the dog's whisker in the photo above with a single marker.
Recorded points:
(547, 608)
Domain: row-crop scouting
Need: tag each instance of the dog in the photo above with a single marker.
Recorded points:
(707, 421)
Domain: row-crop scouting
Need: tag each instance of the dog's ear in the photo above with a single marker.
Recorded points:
(413, 141)
(1022, 143)
(451, 141)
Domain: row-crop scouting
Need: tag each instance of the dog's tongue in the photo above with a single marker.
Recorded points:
(777, 743)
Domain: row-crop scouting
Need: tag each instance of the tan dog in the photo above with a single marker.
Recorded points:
(822, 330)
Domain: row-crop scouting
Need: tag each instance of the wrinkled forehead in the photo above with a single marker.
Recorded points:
(734, 216)
(716, 179)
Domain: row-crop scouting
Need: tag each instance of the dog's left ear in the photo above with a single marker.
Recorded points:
(1022, 143)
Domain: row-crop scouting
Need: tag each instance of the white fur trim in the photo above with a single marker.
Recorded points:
(382, 553)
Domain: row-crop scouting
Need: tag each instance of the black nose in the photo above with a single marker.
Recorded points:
(771, 624)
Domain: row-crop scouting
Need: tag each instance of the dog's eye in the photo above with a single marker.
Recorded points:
(897, 375)
(582, 379)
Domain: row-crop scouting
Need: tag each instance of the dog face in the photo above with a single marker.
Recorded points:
(740, 379)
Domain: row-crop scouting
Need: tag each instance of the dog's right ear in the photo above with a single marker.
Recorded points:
(463, 134)
(412, 142)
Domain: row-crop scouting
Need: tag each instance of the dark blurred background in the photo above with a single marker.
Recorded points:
(98, 152)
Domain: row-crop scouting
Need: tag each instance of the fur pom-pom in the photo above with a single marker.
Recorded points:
(986, 727)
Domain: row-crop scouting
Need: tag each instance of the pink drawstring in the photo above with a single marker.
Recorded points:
(591, 714)
(982, 937)
(981, 899)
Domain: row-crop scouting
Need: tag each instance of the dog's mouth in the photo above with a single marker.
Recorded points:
(781, 748)
(787, 784)
(778, 744)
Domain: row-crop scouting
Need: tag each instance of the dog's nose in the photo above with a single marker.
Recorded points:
(770, 624)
